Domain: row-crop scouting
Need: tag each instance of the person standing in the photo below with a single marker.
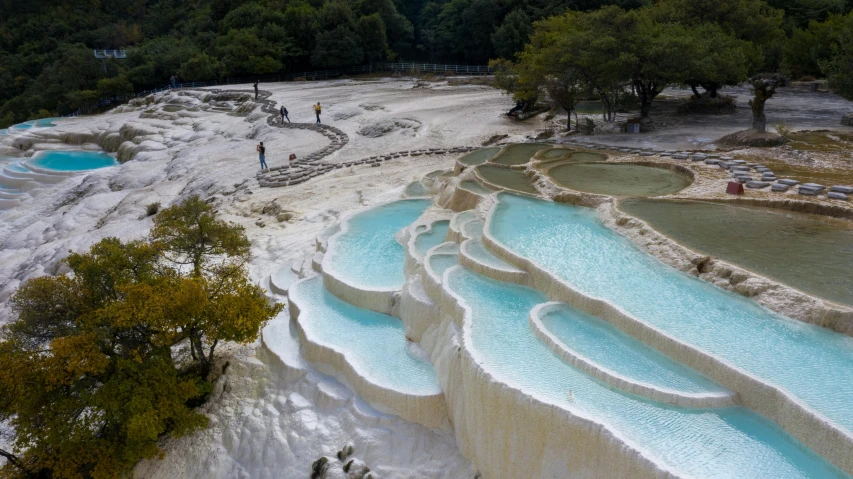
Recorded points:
(317, 110)
(256, 89)
(173, 81)
(283, 112)
(261, 149)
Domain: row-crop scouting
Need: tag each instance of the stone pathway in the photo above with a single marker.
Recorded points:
(303, 169)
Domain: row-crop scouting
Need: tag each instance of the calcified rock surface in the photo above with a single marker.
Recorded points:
(283, 402)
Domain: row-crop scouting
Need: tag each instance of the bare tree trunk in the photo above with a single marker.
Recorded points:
(763, 88)
(759, 119)
(569, 121)
(15, 461)
(695, 91)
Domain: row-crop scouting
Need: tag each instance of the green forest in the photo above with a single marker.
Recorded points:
(47, 67)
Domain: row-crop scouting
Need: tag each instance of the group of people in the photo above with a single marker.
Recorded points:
(261, 149)
(285, 114)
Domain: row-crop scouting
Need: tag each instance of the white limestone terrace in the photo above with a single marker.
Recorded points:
(261, 426)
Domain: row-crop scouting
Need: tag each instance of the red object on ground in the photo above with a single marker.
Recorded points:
(734, 188)
(292, 156)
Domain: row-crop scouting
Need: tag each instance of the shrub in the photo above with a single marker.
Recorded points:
(152, 209)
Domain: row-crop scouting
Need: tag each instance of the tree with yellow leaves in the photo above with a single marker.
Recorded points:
(91, 368)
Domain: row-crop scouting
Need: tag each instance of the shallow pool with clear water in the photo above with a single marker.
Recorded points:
(812, 253)
(720, 443)
(367, 253)
(506, 178)
(476, 187)
(811, 363)
(64, 160)
(374, 344)
(434, 237)
(603, 344)
(479, 157)
(619, 179)
(519, 153)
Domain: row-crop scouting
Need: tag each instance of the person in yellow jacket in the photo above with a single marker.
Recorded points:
(317, 110)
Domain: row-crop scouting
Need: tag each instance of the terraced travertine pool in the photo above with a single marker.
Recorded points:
(506, 178)
(719, 443)
(63, 160)
(518, 154)
(366, 253)
(811, 363)
(619, 179)
(601, 343)
(479, 157)
(375, 344)
(434, 237)
(813, 253)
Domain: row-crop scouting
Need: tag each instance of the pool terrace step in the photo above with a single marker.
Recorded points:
(368, 351)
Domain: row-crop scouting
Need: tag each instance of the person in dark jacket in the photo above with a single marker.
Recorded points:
(256, 89)
(283, 112)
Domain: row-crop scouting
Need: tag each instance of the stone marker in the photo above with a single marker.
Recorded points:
(789, 182)
(734, 188)
(780, 187)
(836, 195)
(847, 190)
(757, 184)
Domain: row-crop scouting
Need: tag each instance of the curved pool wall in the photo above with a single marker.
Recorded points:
(474, 256)
(518, 153)
(500, 178)
(479, 157)
(813, 253)
(794, 373)
(433, 236)
(364, 264)
(520, 411)
(599, 349)
(618, 179)
(69, 161)
(369, 349)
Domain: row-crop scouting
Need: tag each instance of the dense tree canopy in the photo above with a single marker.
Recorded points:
(47, 67)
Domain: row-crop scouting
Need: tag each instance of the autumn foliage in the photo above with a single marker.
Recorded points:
(102, 363)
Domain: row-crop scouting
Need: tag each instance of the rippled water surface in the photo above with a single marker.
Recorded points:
(375, 344)
(367, 254)
(810, 362)
(719, 443)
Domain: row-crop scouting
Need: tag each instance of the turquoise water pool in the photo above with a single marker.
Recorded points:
(478, 251)
(811, 363)
(373, 343)
(366, 254)
(72, 160)
(601, 343)
(42, 123)
(434, 237)
(719, 443)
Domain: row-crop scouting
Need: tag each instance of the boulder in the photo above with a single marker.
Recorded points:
(836, 195)
(789, 182)
(757, 184)
(779, 187)
(847, 120)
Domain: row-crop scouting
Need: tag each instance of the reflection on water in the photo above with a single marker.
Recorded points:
(812, 253)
